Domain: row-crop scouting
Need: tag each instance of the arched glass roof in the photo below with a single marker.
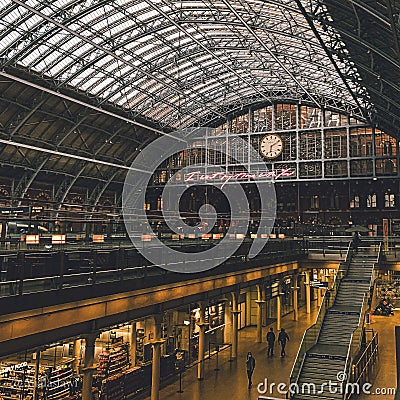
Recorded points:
(178, 62)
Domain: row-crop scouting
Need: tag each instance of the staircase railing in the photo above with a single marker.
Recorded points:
(356, 336)
(310, 336)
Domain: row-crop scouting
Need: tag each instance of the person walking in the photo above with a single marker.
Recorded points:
(356, 241)
(282, 339)
(271, 342)
(250, 365)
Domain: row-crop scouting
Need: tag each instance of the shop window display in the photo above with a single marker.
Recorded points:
(55, 378)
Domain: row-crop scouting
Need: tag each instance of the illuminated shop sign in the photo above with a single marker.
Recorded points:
(14, 210)
(58, 239)
(225, 177)
(32, 239)
(98, 238)
(14, 367)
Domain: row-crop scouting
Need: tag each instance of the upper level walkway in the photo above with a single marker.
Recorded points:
(39, 307)
(67, 292)
(64, 270)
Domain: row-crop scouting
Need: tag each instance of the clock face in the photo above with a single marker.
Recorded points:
(271, 146)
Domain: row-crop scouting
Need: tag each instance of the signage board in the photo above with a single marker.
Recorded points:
(32, 239)
(319, 284)
(145, 238)
(14, 210)
(58, 239)
(98, 238)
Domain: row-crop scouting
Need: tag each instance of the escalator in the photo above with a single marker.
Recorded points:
(323, 364)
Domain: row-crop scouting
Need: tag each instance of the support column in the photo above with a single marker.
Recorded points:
(235, 314)
(260, 303)
(295, 300)
(260, 308)
(235, 339)
(228, 324)
(319, 290)
(308, 293)
(77, 355)
(36, 377)
(88, 368)
(157, 326)
(132, 344)
(324, 278)
(202, 345)
(155, 369)
(278, 312)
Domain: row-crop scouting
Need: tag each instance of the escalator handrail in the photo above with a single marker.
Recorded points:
(350, 355)
(320, 317)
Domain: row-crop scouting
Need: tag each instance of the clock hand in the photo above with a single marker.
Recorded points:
(272, 145)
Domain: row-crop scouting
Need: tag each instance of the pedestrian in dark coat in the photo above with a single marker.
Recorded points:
(282, 339)
(356, 241)
(271, 342)
(250, 365)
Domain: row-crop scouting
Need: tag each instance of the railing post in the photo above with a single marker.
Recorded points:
(216, 359)
(180, 380)
(120, 262)
(21, 272)
(62, 268)
(94, 267)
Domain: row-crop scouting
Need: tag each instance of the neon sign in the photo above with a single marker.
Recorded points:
(225, 177)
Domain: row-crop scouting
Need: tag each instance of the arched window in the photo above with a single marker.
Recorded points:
(355, 201)
(389, 199)
(159, 203)
(315, 202)
(371, 200)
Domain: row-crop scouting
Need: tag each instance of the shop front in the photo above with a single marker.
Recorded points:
(122, 360)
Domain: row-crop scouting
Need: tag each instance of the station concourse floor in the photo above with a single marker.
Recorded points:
(230, 382)
(385, 373)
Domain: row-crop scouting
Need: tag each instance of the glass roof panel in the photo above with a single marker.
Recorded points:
(200, 55)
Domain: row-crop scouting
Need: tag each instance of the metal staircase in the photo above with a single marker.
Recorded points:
(328, 347)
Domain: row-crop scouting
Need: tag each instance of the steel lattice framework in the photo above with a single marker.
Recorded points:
(370, 31)
(85, 84)
(179, 63)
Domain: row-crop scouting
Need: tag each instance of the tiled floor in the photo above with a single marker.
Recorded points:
(230, 382)
(386, 369)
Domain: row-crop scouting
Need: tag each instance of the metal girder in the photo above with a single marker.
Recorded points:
(155, 60)
(25, 182)
(82, 103)
(358, 92)
(366, 28)
(102, 48)
(395, 27)
(29, 176)
(100, 189)
(269, 51)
